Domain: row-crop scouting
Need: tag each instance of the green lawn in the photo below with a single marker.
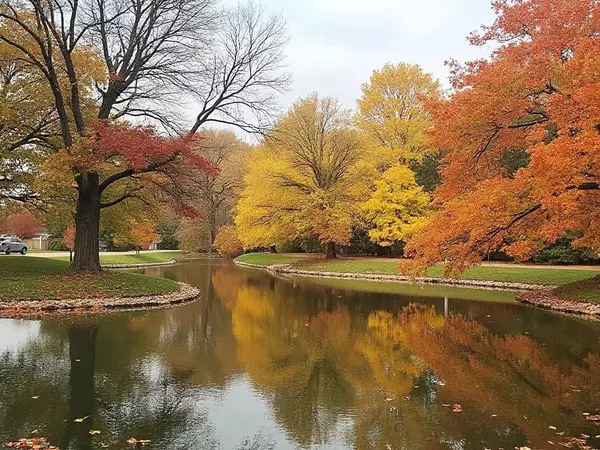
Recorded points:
(268, 259)
(586, 290)
(46, 279)
(533, 275)
(143, 257)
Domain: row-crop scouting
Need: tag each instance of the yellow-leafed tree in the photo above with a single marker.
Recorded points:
(391, 110)
(306, 179)
(392, 116)
(397, 208)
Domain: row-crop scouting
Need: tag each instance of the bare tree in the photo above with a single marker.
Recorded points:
(154, 52)
(241, 80)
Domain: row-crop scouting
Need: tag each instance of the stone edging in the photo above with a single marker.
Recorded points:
(546, 300)
(139, 265)
(494, 285)
(25, 308)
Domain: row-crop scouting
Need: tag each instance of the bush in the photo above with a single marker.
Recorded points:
(56, 243)
(227, 243)
(563, 253)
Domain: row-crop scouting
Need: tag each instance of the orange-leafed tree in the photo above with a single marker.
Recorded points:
(227, 242)
(143, 233)
(68, 240)
(24, 224)
(521, 131)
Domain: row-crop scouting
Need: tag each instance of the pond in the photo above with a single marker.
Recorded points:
(261, 362)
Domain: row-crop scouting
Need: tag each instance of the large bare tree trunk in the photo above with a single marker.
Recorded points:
(87, 226)
(330, 251)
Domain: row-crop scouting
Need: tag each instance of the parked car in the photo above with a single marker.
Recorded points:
(12, 244)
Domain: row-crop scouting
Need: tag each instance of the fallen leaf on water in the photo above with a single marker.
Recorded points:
(93, 432)
(82, 419)
(137, 442)
(457, 408)
(31, 444)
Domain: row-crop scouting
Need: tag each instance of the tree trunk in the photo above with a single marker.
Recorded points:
(87, 225)
(330, 251)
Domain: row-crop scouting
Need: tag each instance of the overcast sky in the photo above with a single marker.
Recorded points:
(336, 44)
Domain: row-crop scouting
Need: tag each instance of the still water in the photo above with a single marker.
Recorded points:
(268, 363)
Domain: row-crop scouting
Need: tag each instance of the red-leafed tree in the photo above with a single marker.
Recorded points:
(24, 225)
(521, 132)
(228, 60)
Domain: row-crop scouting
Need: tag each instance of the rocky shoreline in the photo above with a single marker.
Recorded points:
(545, 299)
(28, 308)
(288, 269)
(139, 265)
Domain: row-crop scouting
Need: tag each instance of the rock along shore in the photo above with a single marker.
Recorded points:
(547, 300)
(25, 308)
(494, 285)
(139, 265)
(536, 295)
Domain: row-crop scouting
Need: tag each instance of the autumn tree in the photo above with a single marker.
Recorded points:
(391, 109)
(397, 208)
(68, 240)
(391, 113)
(305, 179)
(228, 60)
(143, 233)
(215, 194)
(535, 94)
(23, 224)
(227, 242)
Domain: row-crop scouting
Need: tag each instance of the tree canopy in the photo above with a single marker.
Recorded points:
(305, 179)
(537, 93)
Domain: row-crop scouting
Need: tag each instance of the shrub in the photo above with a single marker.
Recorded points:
(227, 243)
(562, 252)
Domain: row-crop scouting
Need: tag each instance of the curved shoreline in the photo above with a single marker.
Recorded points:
(29, 308)
(139, 265)
(481, 284)
(547, 300)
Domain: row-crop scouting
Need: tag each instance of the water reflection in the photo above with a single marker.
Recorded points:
(261, 362)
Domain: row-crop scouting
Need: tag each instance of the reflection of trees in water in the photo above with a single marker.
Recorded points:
(150, 405)
(322, 362)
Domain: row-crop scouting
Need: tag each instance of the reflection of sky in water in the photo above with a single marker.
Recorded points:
(15, 334)
(239, 413)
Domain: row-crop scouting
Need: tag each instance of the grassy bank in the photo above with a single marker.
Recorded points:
(46, 279)
(142, 258)
(508, 274)
(585, 291)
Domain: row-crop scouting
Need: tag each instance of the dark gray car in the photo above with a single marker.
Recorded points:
(12, 244)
